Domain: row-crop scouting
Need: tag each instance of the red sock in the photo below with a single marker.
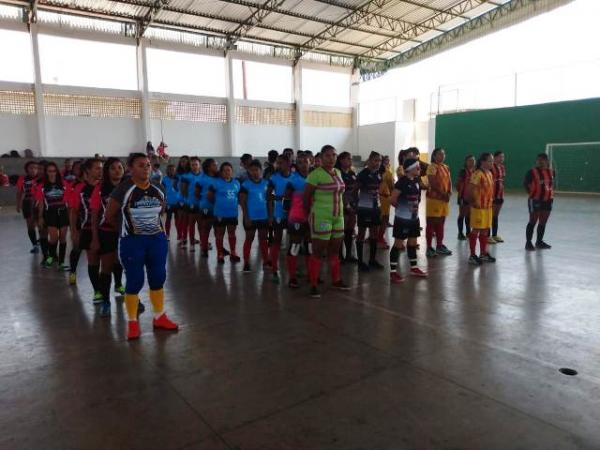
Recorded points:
(264, 250)
(307, 263)
(429, 233)
(247, 247)
(220, 251)
(483, 240)
(439, 234)
(275, 256)
(178, 228)
(473, 241)
(314, 269)
(292, 266)
(204, 239)
(191, 231)
(334, 263)
(232, 242)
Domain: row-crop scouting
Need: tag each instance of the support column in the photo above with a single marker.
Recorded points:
(38, 90)
(142, 79)
(231, 121)
(299, 105)
(354, 96)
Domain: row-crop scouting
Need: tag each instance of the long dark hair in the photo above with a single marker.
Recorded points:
(338, 161)
(89, 163)
(180, 168)
(482, 158)
(206, 165)
(106, 170)
(58, 175)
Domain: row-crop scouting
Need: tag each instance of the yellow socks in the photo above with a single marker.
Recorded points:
(157, 297)
(131, 303)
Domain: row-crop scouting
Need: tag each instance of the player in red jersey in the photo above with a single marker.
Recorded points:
(539, 184)
(499, 174)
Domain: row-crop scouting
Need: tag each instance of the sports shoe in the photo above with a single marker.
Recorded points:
(416, 272)
(375, 265)
(396, 278)
(542, 245)
(133, 330)
(487, 258)
(443, 250)
(34, 250)
(314, 292)
(226, 252)
(97, 298)
(141, 308)
(72, 279)
(246, 268)
(275, 278)
(474, 260)
(430, 253)
(234, 258)
(363, 267)
(164, 323)
(293, 284)
(492, 240)
(498, 239)
(461, 237)
(48, 262)
(340, 286)
(105, 309)
(529, 246)
(120, 290)
(64, 268)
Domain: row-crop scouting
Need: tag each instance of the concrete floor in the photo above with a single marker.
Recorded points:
(467, 359)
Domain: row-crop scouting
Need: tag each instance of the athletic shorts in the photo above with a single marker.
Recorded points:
(257, 225)
(540, 205)
(406, 228)
(298, 228)
(28, 209)
(368, 217)
(223, 221)
(280, 224)
(437, 208)
(85, 238)
(326, 227)
(461, 201)
(56, 217)
(192, 209)
(206, 213)
(498, 201)
(172, 208)
(481, 219)
(109, 241)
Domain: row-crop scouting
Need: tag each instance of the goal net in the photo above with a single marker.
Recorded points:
(577, 166)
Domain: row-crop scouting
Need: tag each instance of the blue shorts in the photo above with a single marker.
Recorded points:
(144, 252)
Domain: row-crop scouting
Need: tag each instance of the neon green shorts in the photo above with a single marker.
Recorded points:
(326, 227)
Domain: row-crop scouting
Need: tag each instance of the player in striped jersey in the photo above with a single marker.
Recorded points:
(464, 177)
(499, 174)
(438, 200)
(539, 184)
(25, 202)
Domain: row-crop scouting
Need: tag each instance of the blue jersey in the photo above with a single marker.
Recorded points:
(226, 197)
(204, 183)
(181, 178)
(256, 198)
(279, 184)
(191, 179)
(171, 192)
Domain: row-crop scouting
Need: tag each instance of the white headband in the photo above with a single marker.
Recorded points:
(412, 166)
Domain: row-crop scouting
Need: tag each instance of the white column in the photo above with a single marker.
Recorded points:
(142, 78)
(298, 131)
(231, 121)
(38, 91)
(354, 96)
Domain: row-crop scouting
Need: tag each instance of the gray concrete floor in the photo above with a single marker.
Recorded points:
(467, 359)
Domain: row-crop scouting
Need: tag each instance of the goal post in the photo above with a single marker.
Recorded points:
(577, 166)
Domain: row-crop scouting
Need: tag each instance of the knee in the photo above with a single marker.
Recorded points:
(134, 283)
(157, 277)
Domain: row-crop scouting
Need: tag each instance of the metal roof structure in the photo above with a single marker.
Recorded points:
(371, 34)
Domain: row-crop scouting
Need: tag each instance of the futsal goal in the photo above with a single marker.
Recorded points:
(577, 166)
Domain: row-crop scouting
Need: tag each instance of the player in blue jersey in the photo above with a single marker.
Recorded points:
(253, 200)
(205, 205)
(190, 193)
(224, 193)
(183, 167)
(278, 185)
(169, 185)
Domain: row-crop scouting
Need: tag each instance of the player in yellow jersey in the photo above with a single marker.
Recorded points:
(438, 202)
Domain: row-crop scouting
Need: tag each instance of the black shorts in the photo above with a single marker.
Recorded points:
(405, 228)
(172, 208)
(280, 224)
(257, 225)
(56, 217)
(367, 218)
(223, 221)
(28, 209)
(109, 241)
(85, 239)
(298, 228)
(192, 209)
(461, 201)
(540, 205)
(498, 201)
(206, 213)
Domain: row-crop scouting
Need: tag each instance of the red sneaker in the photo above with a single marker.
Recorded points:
(396, 278)
(164, 323)
(416, 272)
(133, 330)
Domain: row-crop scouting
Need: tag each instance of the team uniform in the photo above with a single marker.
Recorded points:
(226, 200)
(437, 207)
(498, 174)
(26, 185)
(350, 200)
(80, 201)
(540, 185)
(368, 213)
(298, 228)
(142, 245)
(206, 208)
(108, 235)
(53, 197)
(279, 184)
(326, 216)
(256, 203)
(464, 176)
(169, 186)
(385, 196)
(482, 183)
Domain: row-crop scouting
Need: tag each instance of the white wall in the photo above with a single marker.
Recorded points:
(191, 138)
(73, 136)
(18, 132)
(380, 137)
(258, 140)
(313, 138)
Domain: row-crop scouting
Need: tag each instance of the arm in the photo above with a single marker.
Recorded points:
(394, 199)
(112, 210)
(19, 195)
(270, 202)
(527, 182)
(243, 201)
(40, 207)
(210, 195)
(309, 191)
(95, 244)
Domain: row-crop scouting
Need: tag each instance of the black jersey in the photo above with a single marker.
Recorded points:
(409, 198)
(141, 208)
(52, 195)
(81, 201)
(350, 196)
(368, 189)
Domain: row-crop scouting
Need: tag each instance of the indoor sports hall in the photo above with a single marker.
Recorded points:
(299, 224)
